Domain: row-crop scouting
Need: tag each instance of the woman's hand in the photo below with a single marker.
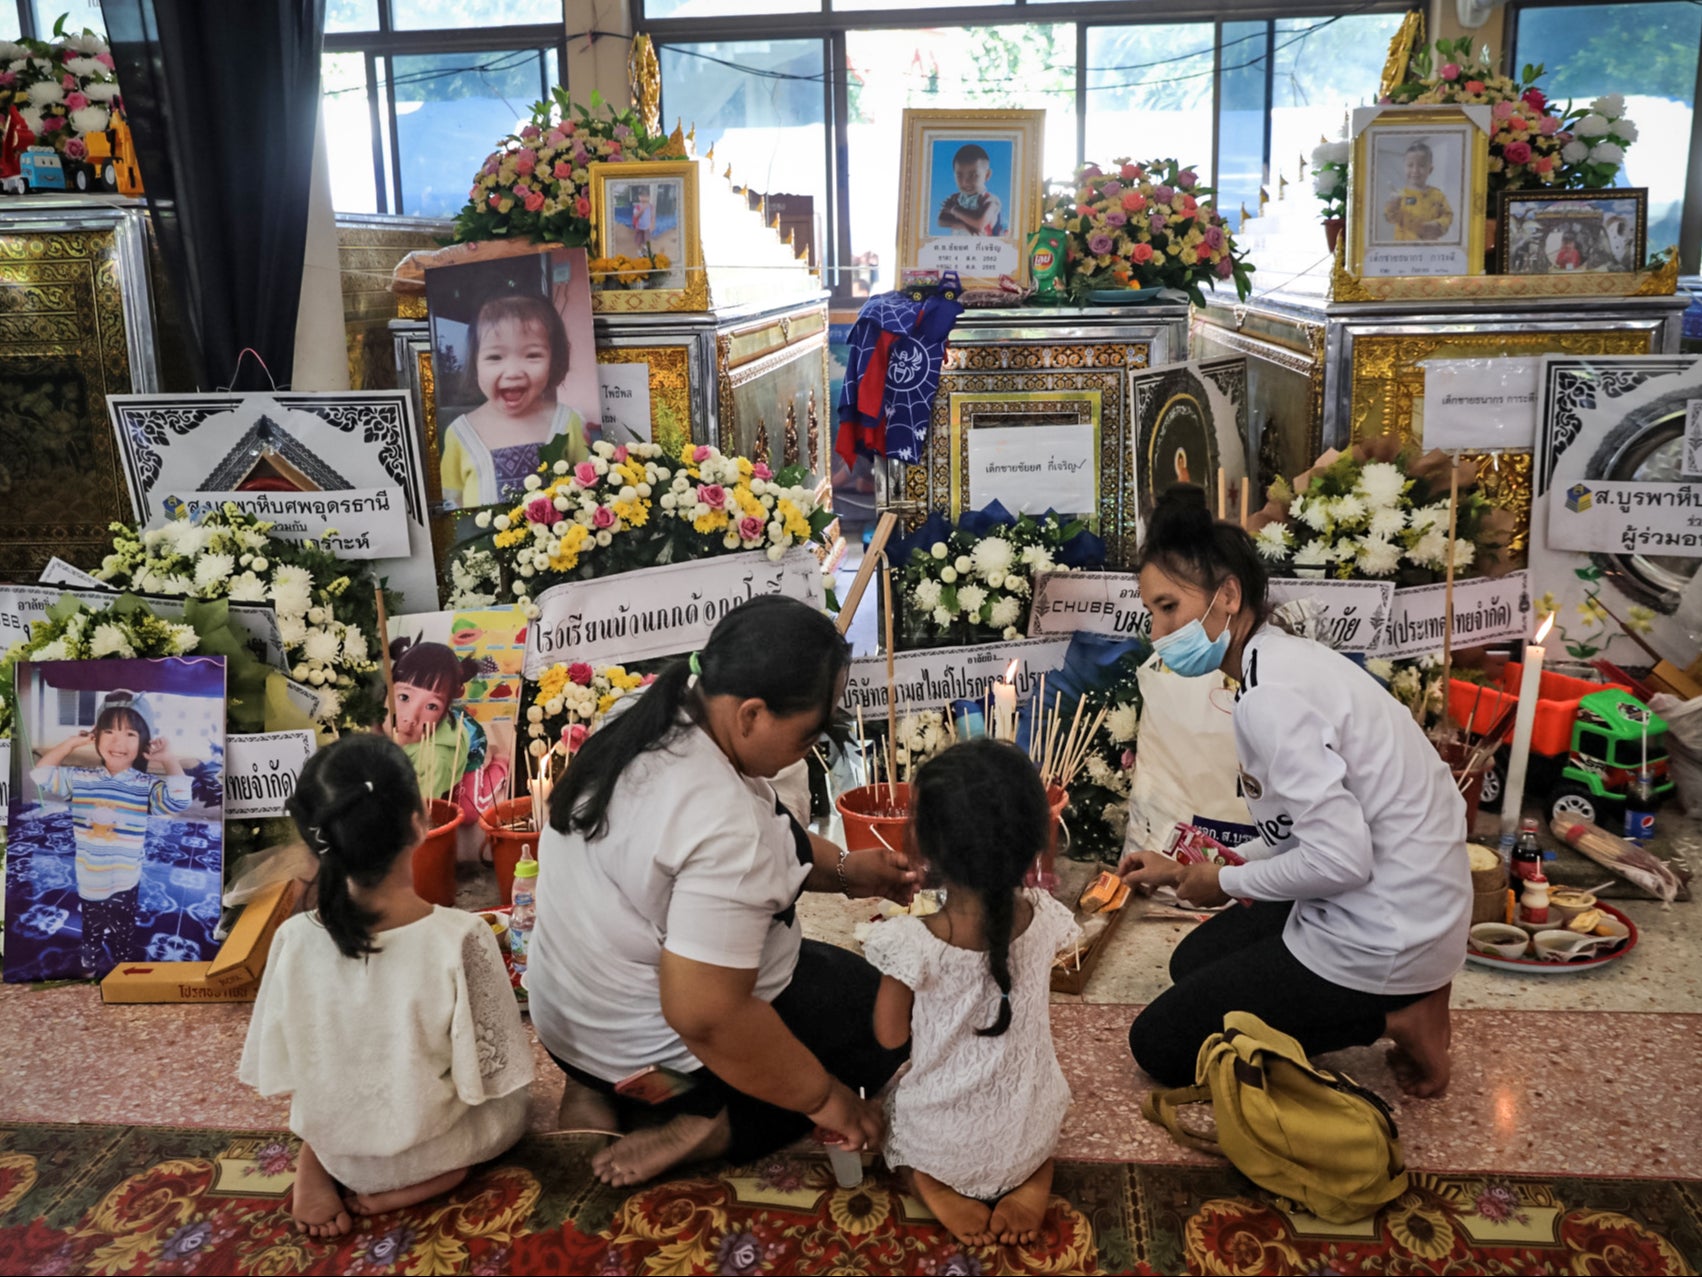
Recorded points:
(882, 871)
(1198, 886)
(859, 1123)
(1146, 871)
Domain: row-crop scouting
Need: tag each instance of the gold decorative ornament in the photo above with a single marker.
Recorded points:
(644, 77)
(1408, 37)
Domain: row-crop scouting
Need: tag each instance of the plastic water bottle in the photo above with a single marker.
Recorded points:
(524, 913)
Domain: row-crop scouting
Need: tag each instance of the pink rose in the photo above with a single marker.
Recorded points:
(1141, 253)
(1131, 171)
(68, 81)
(562, 170)
(1516, 152)
(1548, 126)
(569, 127)
(1127, 760)
(1134, 202)
(603, 518)
(1450, 71)
(52, 124)
(1093, 170)
(621, 454)
(556, 137)
(1474, 86)
(541, 510)
(750, 528)
(701, 453)
(1189, 204)
(761, 471)
(1544, 165)
(525, 162)
(1111, 189)
(581, 673)
(76, 101)
(530, 132)
(1501, 110)
(534, 202)
(495, 199)
(581, 207)
(1517, 124)
(76, 148)
(585, 474)
(713, 495)
(107, 61)
(573, 736)
(8, 79)
(1535, 99)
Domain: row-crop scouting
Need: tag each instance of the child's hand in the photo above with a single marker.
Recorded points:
(158, 750)
(1146, 871)
(859, 1123)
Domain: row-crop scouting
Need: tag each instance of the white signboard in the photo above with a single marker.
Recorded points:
(1480, 403)
(59, 572)
(1485, 611)
(1106, 603)
(356, 523)
(1032, 469)
(1350, 616)
(304, 698)
(1612, 517)
(933, 678)
(23, 605)
(626, 402)
(981, 257)
(261, 771)
(659, 611)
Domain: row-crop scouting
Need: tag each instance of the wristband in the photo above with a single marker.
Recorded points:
(844, 881)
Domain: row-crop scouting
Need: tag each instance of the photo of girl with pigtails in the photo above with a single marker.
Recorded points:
(456, 756)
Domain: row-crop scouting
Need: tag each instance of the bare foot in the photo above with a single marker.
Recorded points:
(967, 1218)
(585, 1111)
(315, 1204)
(646, 1153)
(399, 1198)
(1016, 1217)
(1423, 1032)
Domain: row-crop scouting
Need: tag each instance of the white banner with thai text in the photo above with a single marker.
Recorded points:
(1350, 616)
(261, 771)
(1480, 404)
(663, 611)
(1106, 603)
(356, 523)
(1611, 517)
(59, 572)
(22, 605)
(1485, 611)
(934, 677)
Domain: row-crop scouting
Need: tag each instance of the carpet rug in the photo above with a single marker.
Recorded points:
(85, 1199)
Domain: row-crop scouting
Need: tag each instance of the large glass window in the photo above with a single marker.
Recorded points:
(726, 8)
(951, 68)
(351, 15)
(1647, 52)
(346, 104)
(446, 15)
(78, 14)
(11, 25)
(1149, 93)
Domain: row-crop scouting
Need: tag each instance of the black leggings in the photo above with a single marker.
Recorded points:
(1236, 961)
(830, 1008)
(109, 932)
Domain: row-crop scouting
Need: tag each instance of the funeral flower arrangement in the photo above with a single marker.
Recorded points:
(325, 607)
(1533, 142)
(1144, 226)
(1329, 176)
(623, 272)
(1381, 512)
(63, 89)
(536, 185)
(921, 735)
(1103, 674)
(569, 702)
(636, 506)
(974, 583)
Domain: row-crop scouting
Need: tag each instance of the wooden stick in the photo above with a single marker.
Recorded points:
(1034, 721)
(1222, 493)
(384, 647)
(1046, 768)
(1448, 594)
(1085, 746)
(891, 675)
(1070, 740)
(1246, 500)
(862, 745)
(866, 570)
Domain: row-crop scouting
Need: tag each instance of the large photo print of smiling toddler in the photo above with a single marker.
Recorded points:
(514, 359)
(115, 830)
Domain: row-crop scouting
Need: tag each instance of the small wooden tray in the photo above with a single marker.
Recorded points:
(1072, 979)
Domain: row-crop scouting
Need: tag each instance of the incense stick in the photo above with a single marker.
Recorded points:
(891, 680)
(1246, 500)
(1222, 494)
(384, 647)
(1448, 596)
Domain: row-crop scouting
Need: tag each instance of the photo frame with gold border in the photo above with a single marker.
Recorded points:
(694, 295)
(923, 130)
(1471, 124)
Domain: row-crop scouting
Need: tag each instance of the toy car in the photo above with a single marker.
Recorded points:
(41, 169)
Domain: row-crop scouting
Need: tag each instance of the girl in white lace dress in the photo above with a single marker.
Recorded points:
(974, 1122)
(389, 1021)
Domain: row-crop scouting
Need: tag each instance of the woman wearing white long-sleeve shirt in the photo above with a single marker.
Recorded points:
(1360, 889)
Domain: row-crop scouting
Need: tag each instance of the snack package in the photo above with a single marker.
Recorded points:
(1046, 260)
(1191, 845)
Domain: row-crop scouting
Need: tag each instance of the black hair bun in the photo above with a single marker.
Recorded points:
(1181, 514)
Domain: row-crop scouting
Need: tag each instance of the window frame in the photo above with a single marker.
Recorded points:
(832, 26)
(1690, 215)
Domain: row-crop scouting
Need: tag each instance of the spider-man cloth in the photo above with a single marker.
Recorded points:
(897, 347)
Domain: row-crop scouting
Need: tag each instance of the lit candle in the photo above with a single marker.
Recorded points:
(1530, 683)
(1004, 705)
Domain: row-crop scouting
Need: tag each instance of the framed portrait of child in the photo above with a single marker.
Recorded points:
(645, 216)
(1417, 187)
(969, 196)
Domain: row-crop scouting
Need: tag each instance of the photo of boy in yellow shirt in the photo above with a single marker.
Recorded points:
(1419, 211)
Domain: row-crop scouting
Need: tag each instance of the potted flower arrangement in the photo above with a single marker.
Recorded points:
(974, 583)
(1144, 226)
(536, 185)
(623, 272)
(1329, 182)
(64, 89)
(1381, 511)
(636, 506)
(570, 701)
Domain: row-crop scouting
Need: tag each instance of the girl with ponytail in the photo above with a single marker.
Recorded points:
(975, 1119)
(389, 1021)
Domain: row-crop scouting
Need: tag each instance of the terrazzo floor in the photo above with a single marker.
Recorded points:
(1588, 1074)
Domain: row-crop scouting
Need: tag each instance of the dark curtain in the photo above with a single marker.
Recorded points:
(222, 98)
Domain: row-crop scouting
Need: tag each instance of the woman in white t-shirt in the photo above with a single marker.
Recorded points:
(667, 937)
(1360, 890)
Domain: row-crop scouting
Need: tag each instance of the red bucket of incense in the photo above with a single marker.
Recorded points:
(875, 816)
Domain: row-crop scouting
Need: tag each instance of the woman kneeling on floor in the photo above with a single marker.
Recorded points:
(389, 1021)
(1361, 895)
(667, 939)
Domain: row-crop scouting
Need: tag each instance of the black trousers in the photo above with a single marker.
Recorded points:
(830, 1008)
(1236, 961)
(109, 931)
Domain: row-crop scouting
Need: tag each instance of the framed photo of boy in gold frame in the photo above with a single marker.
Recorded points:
(646, 208)
(970, 193)
(1417, 190)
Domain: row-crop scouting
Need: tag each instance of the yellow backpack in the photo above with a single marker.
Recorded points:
(1314, 1137)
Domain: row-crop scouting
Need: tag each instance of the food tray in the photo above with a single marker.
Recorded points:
(1536, 966)
(1073, 980)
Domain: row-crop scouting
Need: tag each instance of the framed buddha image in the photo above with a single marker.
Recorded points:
(1417, 188)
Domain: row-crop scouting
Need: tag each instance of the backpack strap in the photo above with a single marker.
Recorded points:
(1163, 1107)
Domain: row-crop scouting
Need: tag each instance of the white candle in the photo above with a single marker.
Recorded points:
(1004, 706)
(1530, 682)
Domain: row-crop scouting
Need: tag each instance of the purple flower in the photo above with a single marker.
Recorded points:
(623, 132)
(1116, 217)
(740, 1254)
(1099, 242)
(1157, 222)
(1187, 179)
(1225, 268)
(187, 1240)
(1112, 188)
(386, 1251)
(1213, 237)
(1164, 194)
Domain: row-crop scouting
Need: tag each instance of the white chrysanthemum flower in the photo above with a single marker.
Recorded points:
(1332, 153)
(948, 575)
(54, 651)
(1327, 183)
(1381, 483)
(1591, 126)
(11, 51)
(1625, 130)
(943, 616)
(1388, 523)
(247, 588)
(1098, 770)
(1123, 722)
(32, 118)
(1005, 612)
(354, 646)
(330, 704)
(322, 645)
(1311, 513)
(1464, 553)
(1574, 152)
(1348, 509)
(184, 639)
(212, 569)
(109, 640)
(970, 598)
(292, 630)
(1607, 153)
(1018, 585)
(1274, 541)
(992, 557)
(1314, 554)
(46, 92)
(1612, 105)
(1428, 550)
(1378, 557)
(1037, 558)
(91, 119)
(927, 595)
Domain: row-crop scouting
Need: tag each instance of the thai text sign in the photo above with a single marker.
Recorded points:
(933, 678)
(1485, 611)
(261, 771)
(356, 523)
(1611, 517)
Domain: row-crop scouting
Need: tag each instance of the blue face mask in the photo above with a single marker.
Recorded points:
(1189, 652)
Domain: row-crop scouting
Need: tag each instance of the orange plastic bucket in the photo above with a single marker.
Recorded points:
(875, 816)
(508, 845)
(434, 859)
